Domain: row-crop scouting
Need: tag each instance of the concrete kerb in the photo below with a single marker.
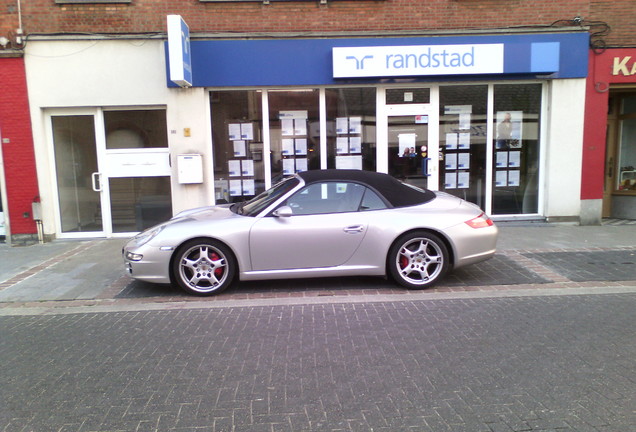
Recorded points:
(105, 306)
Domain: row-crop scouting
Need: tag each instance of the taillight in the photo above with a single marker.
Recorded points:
(481, 221)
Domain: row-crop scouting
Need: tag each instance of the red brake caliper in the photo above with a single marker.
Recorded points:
(218, 272)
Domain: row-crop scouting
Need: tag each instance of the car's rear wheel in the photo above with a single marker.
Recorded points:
(418, 260)
(203, 267)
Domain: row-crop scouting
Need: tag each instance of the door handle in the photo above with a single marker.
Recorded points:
(96, 179)
(354, 229)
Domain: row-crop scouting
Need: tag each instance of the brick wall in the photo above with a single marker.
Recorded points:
(18, 155)
(140, 16)
(381, 15)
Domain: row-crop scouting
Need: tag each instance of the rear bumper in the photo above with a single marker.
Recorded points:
(473, 245)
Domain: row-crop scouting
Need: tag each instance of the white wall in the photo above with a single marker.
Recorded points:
(564, 150)
(74, 77)
(190, 109)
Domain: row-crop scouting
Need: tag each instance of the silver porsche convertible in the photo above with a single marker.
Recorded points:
(316, 224)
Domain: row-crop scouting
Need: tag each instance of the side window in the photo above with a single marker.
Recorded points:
(327, 197)
(371, 201)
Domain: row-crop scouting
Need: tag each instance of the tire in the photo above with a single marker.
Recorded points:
(203, 267)
(418, 260)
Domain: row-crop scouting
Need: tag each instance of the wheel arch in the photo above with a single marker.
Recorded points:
(449, 245)
(201, 238)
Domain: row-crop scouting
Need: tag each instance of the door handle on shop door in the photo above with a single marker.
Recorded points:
(96, 179)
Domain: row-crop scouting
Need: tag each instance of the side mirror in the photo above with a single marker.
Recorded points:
(284, 211)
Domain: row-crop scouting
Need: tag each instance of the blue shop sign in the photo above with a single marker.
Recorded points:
(298, 62)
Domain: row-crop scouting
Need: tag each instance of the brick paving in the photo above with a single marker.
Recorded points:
(548, 363)
(522, 342)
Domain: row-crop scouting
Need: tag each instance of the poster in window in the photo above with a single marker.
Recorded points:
(234, 168)
(234, 131)
(301, 164)
(406, 143)
(240, 149)
(300, 127)
(421, 119)
(355, 144)
(247, 168)
(342, 125)
(288, 166)
(501, 178)
(501, 160)
(236, 188)
(451, 141)
(513, 178)
(287, 127)
(463, 161)
(288, 146)
(463, 142)
(355, 125)
(301, 146)
(249, 187)
(464, 121)
(463, 180)
(247, 131)
(451, 161)
(349, 162)
(342, 145)
(514, 159)
(450, 180)
(509, 131)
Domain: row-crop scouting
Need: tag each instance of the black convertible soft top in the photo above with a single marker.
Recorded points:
(393, 190)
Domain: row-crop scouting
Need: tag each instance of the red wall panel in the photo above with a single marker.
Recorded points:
(17, 146)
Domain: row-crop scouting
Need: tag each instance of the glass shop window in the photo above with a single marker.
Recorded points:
(351, 128)
(294, 131)
(627, 145)
(516, 148)
(462, 157)
(129, 129)
(237, 142)
(138, 203)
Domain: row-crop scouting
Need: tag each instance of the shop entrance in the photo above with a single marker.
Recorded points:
(112, 171)
(619, 195)
(479, 142)
(409, 146)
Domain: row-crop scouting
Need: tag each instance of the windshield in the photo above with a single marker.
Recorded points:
(265, 199)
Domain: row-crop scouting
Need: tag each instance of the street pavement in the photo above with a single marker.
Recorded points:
(539, 338)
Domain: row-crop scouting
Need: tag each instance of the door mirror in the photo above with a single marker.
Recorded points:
(284, 211)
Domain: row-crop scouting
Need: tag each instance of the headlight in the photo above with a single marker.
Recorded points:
(145, 236)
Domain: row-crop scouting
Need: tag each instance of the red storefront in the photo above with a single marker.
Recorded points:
(608, 187)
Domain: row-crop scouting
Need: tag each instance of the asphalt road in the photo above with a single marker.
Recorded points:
(522, 363)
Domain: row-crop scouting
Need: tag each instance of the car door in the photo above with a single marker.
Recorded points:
(324, 230)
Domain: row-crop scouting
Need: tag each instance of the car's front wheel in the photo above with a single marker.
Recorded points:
(417, 260)
(203, 267)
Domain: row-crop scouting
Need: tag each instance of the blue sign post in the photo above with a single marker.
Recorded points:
(179, 53)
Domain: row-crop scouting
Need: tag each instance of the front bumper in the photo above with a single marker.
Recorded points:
(147, 263)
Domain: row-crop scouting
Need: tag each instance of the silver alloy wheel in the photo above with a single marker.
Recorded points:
(418, 260)
(203, 267)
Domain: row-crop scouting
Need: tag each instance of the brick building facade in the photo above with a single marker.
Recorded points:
(102, 66)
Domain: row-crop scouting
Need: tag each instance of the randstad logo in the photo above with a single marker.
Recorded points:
(431, 59)
(417, 60)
